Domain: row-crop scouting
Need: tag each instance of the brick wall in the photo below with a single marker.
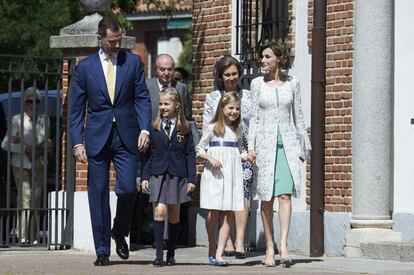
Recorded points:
(211, 40)
(338, 107)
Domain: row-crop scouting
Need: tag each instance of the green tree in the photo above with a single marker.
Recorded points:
(27, 25)
(185, 58)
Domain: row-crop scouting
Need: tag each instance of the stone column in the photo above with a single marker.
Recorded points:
(80, 40)
(372, 127)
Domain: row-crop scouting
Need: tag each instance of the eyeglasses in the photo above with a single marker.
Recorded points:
(30, 101)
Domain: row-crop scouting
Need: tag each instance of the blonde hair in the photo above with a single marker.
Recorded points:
(219, 120)
(182, 124)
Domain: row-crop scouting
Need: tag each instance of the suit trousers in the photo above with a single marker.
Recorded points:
(125, 163)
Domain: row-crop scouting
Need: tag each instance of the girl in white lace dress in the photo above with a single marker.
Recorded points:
(221, 187)
(227, 74)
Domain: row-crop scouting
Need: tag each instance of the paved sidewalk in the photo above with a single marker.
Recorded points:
(189, 261)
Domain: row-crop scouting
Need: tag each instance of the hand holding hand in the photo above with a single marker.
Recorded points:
(251, 156)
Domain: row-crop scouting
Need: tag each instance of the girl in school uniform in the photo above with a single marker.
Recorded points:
(170, 170)
(221, 187)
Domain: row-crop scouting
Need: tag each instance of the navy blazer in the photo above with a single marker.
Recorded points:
(131, 107)
(171, 156)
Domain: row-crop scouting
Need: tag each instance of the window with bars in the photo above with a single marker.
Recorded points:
(257, 22)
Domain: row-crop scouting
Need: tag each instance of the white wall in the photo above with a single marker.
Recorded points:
(172, 46)
(404, 107)
(302, 70)
(82, 228)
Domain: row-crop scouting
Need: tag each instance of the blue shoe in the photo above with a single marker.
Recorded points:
(211, 260)
(221, 263)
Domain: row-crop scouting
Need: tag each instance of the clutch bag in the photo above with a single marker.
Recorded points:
(303, 152)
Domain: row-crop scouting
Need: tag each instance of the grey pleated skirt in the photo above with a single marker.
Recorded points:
(168, 189)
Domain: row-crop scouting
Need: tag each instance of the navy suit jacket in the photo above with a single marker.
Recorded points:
(171, 156)
(131, 107)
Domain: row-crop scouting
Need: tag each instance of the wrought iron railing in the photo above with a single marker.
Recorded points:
(257, 22)
(53, 205)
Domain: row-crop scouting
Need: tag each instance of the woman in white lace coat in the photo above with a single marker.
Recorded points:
(275, 124)
(228, 72)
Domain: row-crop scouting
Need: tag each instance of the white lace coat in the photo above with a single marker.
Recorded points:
(267, 116)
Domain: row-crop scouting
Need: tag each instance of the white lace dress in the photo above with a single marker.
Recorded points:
(210, 108)
(221, 189)
(267, 117)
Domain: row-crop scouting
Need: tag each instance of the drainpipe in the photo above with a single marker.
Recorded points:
(318, 129)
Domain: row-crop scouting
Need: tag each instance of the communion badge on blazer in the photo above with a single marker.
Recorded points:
(180, 137)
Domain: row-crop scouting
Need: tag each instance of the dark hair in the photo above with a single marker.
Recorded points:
(110, 23)
(183, 72)
(281, 50)
(223, 64)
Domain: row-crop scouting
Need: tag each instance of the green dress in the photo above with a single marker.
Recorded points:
(283, 178)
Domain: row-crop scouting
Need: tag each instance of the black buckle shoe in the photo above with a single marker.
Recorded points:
(158, 262)
(121, 246)
(102, 260)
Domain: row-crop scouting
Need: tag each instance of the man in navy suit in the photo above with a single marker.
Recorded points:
(110, 87)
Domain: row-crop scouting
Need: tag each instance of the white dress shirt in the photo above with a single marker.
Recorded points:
(173, 123)
(161, 85)
(104, 57)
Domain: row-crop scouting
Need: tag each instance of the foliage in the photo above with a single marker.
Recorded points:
(185, 58)
(27, 25)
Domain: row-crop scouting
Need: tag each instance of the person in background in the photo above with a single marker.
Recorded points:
(110, 88)
(164, 78)
(181, 74)
(27, 142)
(221, 187)
(170, 170)
(276, 115)
(228, 72)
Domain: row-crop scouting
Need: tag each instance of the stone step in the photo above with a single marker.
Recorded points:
(393, 251)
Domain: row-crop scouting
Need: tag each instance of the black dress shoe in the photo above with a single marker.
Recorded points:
(102, 260)
(121, 246)
(158, 262)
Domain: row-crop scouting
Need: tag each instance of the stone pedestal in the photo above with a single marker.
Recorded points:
(358, 236)
(83, 35)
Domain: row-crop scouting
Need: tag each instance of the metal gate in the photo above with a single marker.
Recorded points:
(36, 196)
(258, 22)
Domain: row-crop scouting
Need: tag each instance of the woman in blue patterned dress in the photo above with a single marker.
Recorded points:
(228, 72)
